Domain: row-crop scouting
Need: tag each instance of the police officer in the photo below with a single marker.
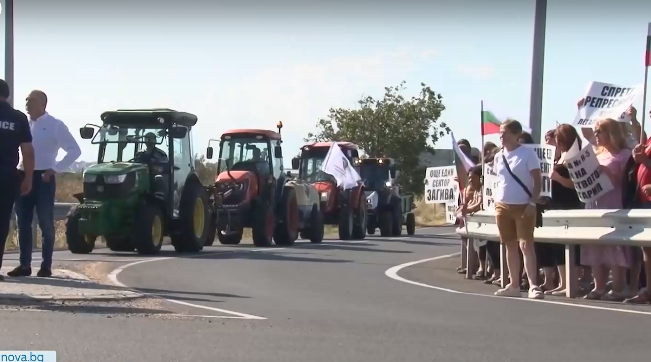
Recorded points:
(14, 133)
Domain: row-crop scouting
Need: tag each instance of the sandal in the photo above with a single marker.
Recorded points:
(491, 280)
(613, 296)
(594, 295)
(641, 298)
(479, 276)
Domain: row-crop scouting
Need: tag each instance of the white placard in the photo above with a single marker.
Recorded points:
(590, 183)
(546, 156)
(490, 183)
(605, 100)
(450, 213)
(440, 184)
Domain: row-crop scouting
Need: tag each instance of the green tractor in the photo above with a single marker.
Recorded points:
(387, 209)
(144, 186)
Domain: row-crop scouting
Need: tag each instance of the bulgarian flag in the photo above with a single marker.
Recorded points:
(490, 124)
(647, 60)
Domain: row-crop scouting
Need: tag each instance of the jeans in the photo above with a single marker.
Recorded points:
(41, 199)
(9, 186)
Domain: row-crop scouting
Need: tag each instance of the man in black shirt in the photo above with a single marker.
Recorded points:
(14, 133)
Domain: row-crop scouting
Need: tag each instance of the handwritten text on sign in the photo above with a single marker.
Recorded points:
(604, 100)
(490, 183)
(440, 184)
(546, 156)
(589, 182)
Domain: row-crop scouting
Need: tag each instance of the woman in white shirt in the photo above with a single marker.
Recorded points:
(519, 182)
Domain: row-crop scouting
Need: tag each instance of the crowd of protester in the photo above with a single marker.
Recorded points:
(613, 273)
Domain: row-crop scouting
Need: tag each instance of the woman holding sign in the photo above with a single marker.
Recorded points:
(519, 184)
(613, 154)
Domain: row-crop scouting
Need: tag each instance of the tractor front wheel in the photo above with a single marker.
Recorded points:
(150, 229)
(263, 224)
(286, 231)
(77, 243)
(194, 220)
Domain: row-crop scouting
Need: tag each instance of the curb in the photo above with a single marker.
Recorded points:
(51, 297)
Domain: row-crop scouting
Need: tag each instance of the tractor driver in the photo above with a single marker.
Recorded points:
(151, 152)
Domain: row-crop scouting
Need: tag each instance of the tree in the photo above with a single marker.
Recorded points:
(390, 127)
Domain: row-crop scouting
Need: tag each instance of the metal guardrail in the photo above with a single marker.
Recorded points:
(568, 227)
(61, 210)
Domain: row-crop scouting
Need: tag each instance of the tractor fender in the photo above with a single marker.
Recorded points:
(191, 180)
(357, 196)
(306, 194)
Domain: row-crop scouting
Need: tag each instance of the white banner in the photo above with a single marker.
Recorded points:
(589, 182)
(604, 100)
(546, 156)
(440, 185)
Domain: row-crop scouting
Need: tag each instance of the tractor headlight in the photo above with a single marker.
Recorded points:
(90, 178)
(115, 179)
(387, 184)
(324, 196)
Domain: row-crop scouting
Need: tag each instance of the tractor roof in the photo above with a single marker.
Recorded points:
(252, 132)
(346, 145)
(148, 117)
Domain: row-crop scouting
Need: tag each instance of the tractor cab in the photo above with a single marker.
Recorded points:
(250, 160)
(377, 173)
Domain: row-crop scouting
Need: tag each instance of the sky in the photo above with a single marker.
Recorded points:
(249, 64)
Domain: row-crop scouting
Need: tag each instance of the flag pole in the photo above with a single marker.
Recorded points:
(481, 119)
(647, 64)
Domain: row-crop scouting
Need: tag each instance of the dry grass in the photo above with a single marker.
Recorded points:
(429, 214)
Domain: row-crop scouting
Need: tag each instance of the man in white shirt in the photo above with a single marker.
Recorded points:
(49, 136)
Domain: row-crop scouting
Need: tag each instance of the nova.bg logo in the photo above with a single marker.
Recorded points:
(28, 356)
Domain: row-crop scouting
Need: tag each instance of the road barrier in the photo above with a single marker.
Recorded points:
(568, 227)
(61, 210)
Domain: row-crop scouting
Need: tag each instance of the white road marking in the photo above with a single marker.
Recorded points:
(393, 274)
(113, 277)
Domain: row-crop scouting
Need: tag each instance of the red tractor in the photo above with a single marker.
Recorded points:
(345, 208)
(251, 190)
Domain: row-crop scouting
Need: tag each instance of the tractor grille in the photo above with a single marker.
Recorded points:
(99, 190)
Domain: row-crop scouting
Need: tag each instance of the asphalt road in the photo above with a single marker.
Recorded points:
(313, 303)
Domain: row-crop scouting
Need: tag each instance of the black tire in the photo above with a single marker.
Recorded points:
(370, 230)
(396, 220)
(185, 239)
(305, 235)
(263, 225)
(411, 224)
(77, 243)
(212, 230)
(345, 223)
(360, 221)
(317, 226)
(119, 243)
(386, 224)
(232, 239)
(286, 230)
(149, 230)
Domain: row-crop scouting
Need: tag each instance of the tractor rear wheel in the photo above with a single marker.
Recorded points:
(361, 220)
(150, 229)
(286, 230)
(77, 243)
(194, 220)
(411, 224)
(263, 225)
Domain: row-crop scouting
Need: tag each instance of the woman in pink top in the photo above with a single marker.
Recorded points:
(613, 155)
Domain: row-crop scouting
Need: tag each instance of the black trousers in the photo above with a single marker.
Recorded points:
(493, 251)
(9, 190)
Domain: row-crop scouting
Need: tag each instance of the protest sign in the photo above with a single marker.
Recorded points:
(604, 100)
(490, 183)
(440, 184)
(590, 183)
(546, 156)
(450, 213)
